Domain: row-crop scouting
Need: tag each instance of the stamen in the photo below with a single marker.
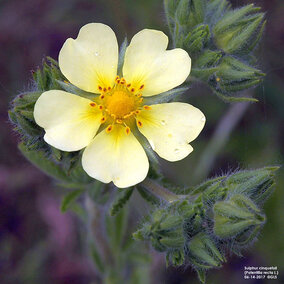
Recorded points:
(128, 85)
(103, 119)
(93, 104)
(109, 129)
(100, 88)
(102, 97)
(139, 123)
(141, 87)
(105, 89)
(127, 115)
(109, 88)
(127, 130)
(122, 81)
(132, 90)
(116, 78)
(101, 107)
(147, 107)
(137, 111)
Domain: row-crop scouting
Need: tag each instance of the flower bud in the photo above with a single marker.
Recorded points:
(236, 31)
(194, 41)
(175, 257)
(165, 231)
(235, 216)
(232, 76)
(203, 252)
(257, 184)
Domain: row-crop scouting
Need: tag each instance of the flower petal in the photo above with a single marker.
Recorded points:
(70, 122)
(170, 127)
(116, 157)
(91, 59)
(148, 63)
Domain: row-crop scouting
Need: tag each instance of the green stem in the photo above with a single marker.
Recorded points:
(159, 190)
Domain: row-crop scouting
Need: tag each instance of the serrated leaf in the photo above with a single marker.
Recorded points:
(40, 159)
(69, 199)
(122, 197)
(148, 196)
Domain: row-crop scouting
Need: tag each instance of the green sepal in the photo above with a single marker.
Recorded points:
(202, 249)
(68, 87)
(122, 51)
(201, 275)
(235, 216)
(175, 257)
(235, 32)
(165, 97)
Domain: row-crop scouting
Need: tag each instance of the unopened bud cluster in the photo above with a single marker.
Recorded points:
(221, 216)
(221, 42)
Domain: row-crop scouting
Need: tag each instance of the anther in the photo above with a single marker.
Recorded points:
(128, 85)
(101, 107)
(102, 97)
(141, 87)
(93, 104)
(132, 90)
(103, 119)
(100, 88)
(119, 121)
(105, 89)
(109, 88)
(139, 123)
(139, 95)
(137, 111)
(127, 130)
(147, 107)
(109, 129)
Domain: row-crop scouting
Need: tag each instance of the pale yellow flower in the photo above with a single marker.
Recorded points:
(106, 125)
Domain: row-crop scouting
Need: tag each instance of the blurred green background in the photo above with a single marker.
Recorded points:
(38, 244)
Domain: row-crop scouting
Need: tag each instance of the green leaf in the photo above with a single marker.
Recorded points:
(69, 199)
(122, 197)
(115, 227)
(147, 195)
(40, 160)
(97, 258)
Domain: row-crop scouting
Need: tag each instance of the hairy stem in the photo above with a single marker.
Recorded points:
(96, 229)
(159, 190)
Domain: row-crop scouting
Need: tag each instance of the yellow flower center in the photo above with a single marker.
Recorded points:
(120, 104)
